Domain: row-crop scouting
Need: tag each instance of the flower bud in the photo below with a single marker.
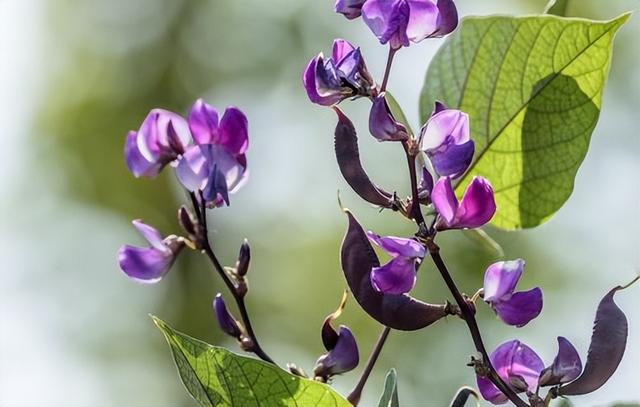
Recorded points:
(227, 322)
(187, 221)
(244, 257)
(351, 9)
(382, 125)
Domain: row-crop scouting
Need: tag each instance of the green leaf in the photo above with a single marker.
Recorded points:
(396, 111)
(389, 397)
(217, 377)
(532, 87)
(557, 7)
(482, 239)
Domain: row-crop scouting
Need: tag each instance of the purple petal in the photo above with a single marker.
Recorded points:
(438, 107)
(396, 277)
(322, 83)
(397, 246)
(343, 357)
(490, 392)
(233, 168)
(341, 48)
(382, 125)
(447, 18)
(234, 135)
(145, 265)
(137, 164)
(227, 322)
(349, 68)
(388, 20)
(526, 364)
(216, 189)
(423, 18)
(566, 366)
(154, 140)
(426, 184)
(521, 308)
(351, 9)
(452, 159)
(501, 278)
(203, 122)
(477, 205)
(445, 200)
(449, 125)
(193, 169)
(151, 235)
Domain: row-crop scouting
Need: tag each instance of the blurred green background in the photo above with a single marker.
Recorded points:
(77, 75)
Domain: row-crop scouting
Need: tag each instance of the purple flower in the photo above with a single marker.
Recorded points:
(518, 365)
(400, 21)
(217, 164)
(149, 264)
(566, 366)
(341, 357)
(349, 8)
(514, 308)
(344, 75)
(474, 210)
(445, 140)
(228, 323)
(382, 125)
(162, 137)
(398, 276)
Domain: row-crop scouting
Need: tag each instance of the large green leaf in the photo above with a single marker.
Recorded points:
(217, 377)
(533, 89)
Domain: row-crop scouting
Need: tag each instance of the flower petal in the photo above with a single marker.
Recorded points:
(449, 125)
(342, 358)
(145, 265)
(527, 364)
(234, 134)
(154, 141)
(566, 366)
(193, 168)
(349, 8)
(445, 200)
(396, 277)
(477, 205)
(423, 18)
(453, 160)
(203, 122)
(447, 17)
(137, 164)
(397, 246)
(382, 125)
(500, 279)
(151, 234)
(490, 392)
(521, 308)
(341, 48)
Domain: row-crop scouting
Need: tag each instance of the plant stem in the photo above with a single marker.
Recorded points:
(354, 396)
(387, 69)
(416, 212)
(201, 213)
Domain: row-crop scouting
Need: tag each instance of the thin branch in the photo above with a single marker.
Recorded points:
(201, 213)
(387, 69)
(354, 396)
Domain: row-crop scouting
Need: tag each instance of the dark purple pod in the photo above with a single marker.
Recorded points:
(397, 311)
(608, 343)
(348, 156)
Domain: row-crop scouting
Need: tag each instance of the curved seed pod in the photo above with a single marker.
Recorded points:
(608, 343)
(461, 397)
(348, 156)
(399, 311)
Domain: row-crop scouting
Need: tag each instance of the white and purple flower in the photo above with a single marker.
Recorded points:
(398, 276)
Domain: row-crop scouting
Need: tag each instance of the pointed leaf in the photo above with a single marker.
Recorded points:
(532, 87)
(462, 396)
(401, 311)
(557, 7)
(348, 156)
(389, 396)
(608, 342)
(216, 377)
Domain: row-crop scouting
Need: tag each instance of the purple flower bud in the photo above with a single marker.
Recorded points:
(217, 165)
(400, 22)
(476, 208)
(425, 187)
(514, 308)
(187, 220)
(446, 141)
(515, 363)
(351, 9)
(149, 264)
(566, 366)
(162, 137)
(344, 75)
(228, 323)
(398, 276)
(244, 257)
(382, 125)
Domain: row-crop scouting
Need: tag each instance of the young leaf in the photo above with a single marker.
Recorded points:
(608, 342)
(557, 7)
(532, 87)
(482, 238)
(216, 377)
(389, 397)
(348, 157)
(461, 397)
(397, 111)
(400, 311)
